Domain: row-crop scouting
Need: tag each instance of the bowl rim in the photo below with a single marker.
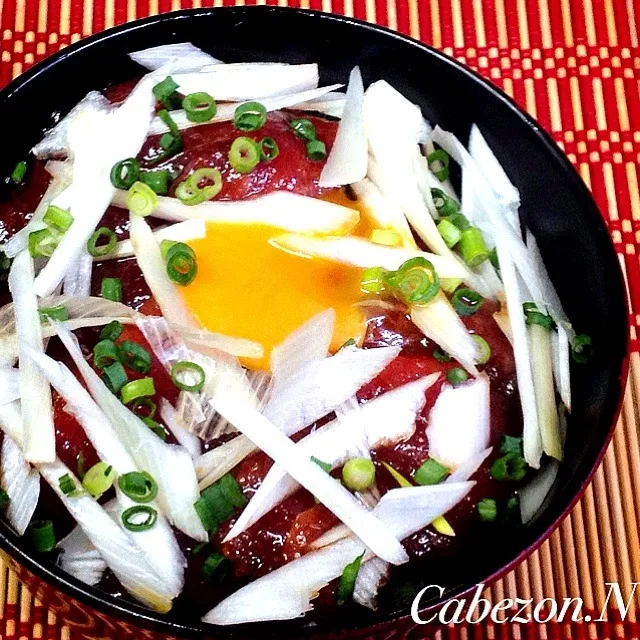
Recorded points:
(137, 614)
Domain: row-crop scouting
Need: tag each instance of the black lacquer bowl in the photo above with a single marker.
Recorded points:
(556, 206)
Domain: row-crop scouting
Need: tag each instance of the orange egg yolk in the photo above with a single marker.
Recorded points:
(246, 287)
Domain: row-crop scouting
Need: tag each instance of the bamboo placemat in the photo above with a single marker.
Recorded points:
(573, 64)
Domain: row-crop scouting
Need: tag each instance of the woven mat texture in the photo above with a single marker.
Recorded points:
(575, 66)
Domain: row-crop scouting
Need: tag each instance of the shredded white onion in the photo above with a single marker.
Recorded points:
(80, 558)
(173, 58)
(534, 494)
(188, 440)
(9, 384)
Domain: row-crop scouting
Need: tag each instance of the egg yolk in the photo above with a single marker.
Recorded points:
(246, 287)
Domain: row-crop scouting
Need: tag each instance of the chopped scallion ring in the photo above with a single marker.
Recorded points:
(416, 281)
(112, 331)
(58, 313)
(42, 243)
(182, 267)
(213, 564)
(157, 428)
(466, 302)
(111, 289)
(105, 353)
(316, 150)
(156, 180)
(146, 404)
(188, 376)
(115, 377)
(66, 484)
(134, 357)
(199, 107)
(439, 164)
(373, 280)
(325, 466)
(137, 389)
(303, 129)
(57, 219)
(5, 500)
(457, 376)
(444, 204)
(430, 472)
(96, 246)
(244, 154)
(249, 116)
(99, 479)
(19, 172)
(269, 149)
(487, 509)
(202, 185)
(534, 316)
(348, 581)
(449, 232)
(124, 173)
(472, 247)
(441, 356)
(43, 537)
(483, 348)
(510, 467)
(166, 93)
(358, 474)
(141, 199)
(139, 486)
(139, 518)
(581, 348)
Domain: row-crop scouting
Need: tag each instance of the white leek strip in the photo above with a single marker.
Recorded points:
(383, 212)
(226, 112)
(39, 432)
(170, 465)
(487, 281)
(152, 265)
(55, 142)
(21, 483)
(385, 420)
(334, 496)
(459, 424)
(112, 542)
(316, 390)
(440, 323)
(180, 232)
(370, 577)
(239, 82)
(188, 440)
(426, 181)
(532, 443)
(562, 364)
(77, 280)
(466, 470)
(347, 161)
(362, 253)
(157, 544)
(80, 558)
(545, 395)
(9, 384)
(118, 134)
(282, 209)
(534, 494)
(330, 104)
(287, 592)
(208, 343)
(181, 56)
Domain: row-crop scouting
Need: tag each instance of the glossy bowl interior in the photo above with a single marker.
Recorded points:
(556, 206)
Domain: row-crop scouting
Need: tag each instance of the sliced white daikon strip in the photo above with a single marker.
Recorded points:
(173, 58)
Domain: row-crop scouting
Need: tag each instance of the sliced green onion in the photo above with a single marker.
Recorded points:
(207, 515)
(430, 472)
(139, 518)
(373, 280)
(466, 302)
(510, 467)
(483, 348)
(57, 219)
(441, 356)
(112, 331)
(449, 285)
(191, 191)
(231, 490)
(5, 263)
(513, 514)
(386, 237)
(42, 243)
(444, 204)
(198, 548)
(165, 245)
(58, 313)
(460, 221)
(157, 180)
(5, 500)
(269, 149)
(165, 92)
(96, 245)
(99, 479)
(325, 466)
(199, 107)
(105, 353)
(125, 173)
(80, 466)
(218, 502)
(139, 486)
(348, 581)
(449, 232)
(534, 316)
(182, 267)
(358, 474)
(19, 172)
(214, 562)
(316, 150)
(137, 389)
(487, 509)
(439, 164)
(134, 357)
(493, 258)
(244, 154)
(115, 377)
(43, 537)
(397, 476)
(416, 281)
(111, 289)
(249, 116)
(170, 142)
(303, 129)
(157, 428)
(187, 376)
(143, 403)
(348, 343)
(581, 348)
(141, 199)
(457, 376)
(67, 484)
(511, 444)
(472, 247)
